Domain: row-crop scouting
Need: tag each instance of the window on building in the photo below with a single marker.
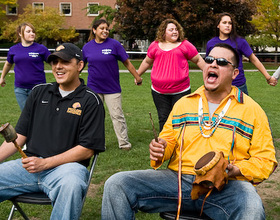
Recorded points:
(91, 10)
(11, 10)
(38, 7)
(117, 6)
(66, 9)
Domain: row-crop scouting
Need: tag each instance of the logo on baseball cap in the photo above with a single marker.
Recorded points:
(66, 51)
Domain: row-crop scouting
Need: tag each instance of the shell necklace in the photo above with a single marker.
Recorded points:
(204, 125)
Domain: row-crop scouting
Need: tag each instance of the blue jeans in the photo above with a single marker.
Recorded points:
(244, 88)
(164, 104)
(157, 191)
(21, 96)
(65, 185)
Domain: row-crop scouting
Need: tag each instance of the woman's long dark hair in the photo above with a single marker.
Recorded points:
(233, 34)
(95, 25)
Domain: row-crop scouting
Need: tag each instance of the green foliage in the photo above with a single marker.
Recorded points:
(8, 2)
(267, 21)
(48, 25)
(139, 19)
(261, 42)
(106, 12)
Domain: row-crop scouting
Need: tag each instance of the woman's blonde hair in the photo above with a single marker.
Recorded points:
(162, 28)
(21, 29)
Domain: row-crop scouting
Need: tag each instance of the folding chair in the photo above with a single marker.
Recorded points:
(186, 215)
(41, 198)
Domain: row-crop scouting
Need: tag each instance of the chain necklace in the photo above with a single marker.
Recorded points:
(213, 124)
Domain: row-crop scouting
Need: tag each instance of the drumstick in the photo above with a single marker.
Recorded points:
(154, 130)
(10, 135)
(19, 149)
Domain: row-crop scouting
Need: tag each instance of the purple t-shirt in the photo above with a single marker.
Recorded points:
(243, 48)
(103, 68)
(29, 64)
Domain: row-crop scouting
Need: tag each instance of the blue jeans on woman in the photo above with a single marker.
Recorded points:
(21, 96)
(156, 191)
(244, 88)
(65, 185)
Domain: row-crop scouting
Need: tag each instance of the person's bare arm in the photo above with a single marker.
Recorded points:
(35, 164)
(270, 80)
(7, 67)
(132, 70)
(199, 61)
(146, 64)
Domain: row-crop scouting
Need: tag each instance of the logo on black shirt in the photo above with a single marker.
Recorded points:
(74, 109)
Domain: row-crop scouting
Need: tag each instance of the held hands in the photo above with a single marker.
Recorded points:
(2, 82)
(272, 81)
(138, 82)
(33, 164)
(157, 149)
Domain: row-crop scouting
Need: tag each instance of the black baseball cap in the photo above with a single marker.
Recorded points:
(66, 51)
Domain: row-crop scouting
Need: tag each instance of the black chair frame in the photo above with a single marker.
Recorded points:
(41, 198)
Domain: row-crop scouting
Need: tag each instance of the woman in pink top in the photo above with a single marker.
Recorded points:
(169, 55)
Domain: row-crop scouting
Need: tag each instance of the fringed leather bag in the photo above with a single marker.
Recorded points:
(211, 173)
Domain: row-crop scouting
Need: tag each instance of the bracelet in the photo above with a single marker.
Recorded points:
(269, 79)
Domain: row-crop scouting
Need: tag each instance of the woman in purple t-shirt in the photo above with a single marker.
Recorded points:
(169, 55)
(226, 33)
(102, 54)
(28, 58)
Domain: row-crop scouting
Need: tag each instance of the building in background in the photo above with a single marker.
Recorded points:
(76, 15)
(75, 12)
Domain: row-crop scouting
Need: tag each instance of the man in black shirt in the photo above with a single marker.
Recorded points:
(62, 125)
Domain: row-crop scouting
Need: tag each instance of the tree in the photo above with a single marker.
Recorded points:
(139, 19)
(267, 21)
(48, 24)
(260, 42)
(105, 12)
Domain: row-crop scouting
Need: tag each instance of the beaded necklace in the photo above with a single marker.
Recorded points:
(213, 124)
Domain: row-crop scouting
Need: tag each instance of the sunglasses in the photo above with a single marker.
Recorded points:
(220, 61)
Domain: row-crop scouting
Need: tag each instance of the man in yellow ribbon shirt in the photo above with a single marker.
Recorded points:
(216, 117)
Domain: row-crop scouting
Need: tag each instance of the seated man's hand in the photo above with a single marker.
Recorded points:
(157, 149)
(33, 164)
(233, 170)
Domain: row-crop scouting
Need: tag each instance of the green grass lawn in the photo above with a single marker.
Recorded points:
(137, 103)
